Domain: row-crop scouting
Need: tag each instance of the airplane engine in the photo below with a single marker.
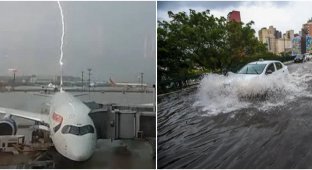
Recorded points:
(7, 127)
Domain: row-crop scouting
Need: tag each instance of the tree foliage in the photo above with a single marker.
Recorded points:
(199, 42)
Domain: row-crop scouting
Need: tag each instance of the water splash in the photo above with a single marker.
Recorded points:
(215, 96)
(62, 42)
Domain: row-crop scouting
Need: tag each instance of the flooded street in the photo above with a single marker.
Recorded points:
(208, 126)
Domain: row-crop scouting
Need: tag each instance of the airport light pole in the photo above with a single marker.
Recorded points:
(142, 80)
(89, 81)
(14, 71)
(82, 81)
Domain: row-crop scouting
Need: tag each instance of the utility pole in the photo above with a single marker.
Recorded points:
(89, 80)
(82, 80)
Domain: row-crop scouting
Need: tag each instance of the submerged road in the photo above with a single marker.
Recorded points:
(275, 132)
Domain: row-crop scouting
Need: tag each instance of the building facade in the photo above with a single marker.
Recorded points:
(283, 45)
(307, 28)
(306, 34)
(296, 45)
(274, 40)
(289, 34)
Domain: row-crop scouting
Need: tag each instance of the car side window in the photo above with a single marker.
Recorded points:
(271, 67)
(278, 65)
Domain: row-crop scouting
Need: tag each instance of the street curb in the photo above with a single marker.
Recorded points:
(288, 62)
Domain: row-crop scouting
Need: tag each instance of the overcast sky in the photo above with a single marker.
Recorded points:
(283, 15)
(115, 39)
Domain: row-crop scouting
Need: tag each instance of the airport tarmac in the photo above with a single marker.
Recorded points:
(136, 153)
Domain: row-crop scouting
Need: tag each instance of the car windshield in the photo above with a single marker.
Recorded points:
(252, 69)
(299, 56)
(79, 131)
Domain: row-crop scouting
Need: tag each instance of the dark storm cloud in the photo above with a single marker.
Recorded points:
(176, 5)
(113, 38)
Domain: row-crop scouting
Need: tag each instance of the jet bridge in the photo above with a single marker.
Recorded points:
(123, 121)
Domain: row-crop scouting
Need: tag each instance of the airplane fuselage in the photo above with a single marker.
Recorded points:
(71, 128)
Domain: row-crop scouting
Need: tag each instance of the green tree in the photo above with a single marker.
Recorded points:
(190, 44)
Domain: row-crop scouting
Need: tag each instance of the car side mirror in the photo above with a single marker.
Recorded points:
(269, 72)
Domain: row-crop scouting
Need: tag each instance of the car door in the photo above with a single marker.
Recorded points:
(279, 67)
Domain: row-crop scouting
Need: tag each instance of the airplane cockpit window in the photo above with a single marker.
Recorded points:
(79, 131)
(86, 129)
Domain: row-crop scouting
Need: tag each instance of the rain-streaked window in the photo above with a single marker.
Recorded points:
(79, 131)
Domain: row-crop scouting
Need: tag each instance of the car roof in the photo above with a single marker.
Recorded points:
(264, 62)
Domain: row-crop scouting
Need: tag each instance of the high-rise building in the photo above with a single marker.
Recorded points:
(306, 32)
(282, 45)
(273, 38)
(278, 34)
(234, 16)
(307, 28)
(289, 34)
(263, 33)
(268, 36)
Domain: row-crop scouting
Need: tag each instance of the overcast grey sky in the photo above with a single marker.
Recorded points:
(115, 39)
(284, 15)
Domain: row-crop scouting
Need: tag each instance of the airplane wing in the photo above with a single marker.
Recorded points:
(77, 95)
(43, 118)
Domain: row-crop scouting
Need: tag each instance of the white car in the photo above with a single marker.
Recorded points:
(259, 69)
(256, 79)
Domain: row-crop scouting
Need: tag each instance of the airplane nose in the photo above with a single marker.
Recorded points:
(79, 155)
(81, 149)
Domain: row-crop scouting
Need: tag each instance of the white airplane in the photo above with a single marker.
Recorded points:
(71, 128)
(113, 83)
(52, 86)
